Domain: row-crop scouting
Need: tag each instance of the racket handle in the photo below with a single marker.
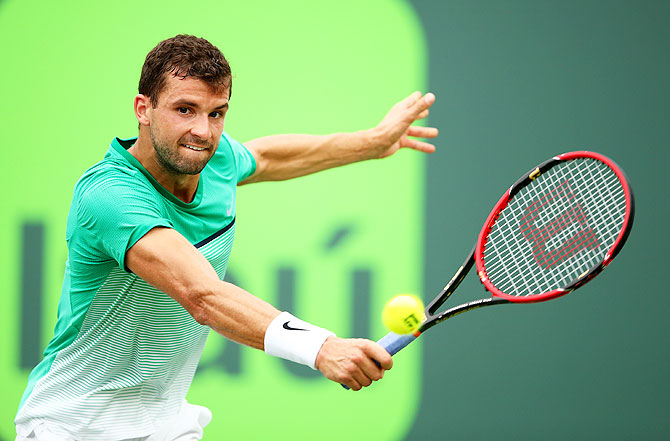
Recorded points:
(393, 343)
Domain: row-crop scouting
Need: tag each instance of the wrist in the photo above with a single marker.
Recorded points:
(320, 354)
(293, 339)
(376, 140)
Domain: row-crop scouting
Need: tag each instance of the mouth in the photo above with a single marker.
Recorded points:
(194, 147)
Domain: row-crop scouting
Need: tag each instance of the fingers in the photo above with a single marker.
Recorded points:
(359, 375)
(419, 146)
(418, 104)
(352, 361)
(423, 114)
(366, 367)
(380, 355)
(420, 108)
(429, 99)
(367, 373)
(421, 104)
(422, 132)
(375, 361)
(370, 372)
(419, 132)
(412, 99)
(391, 133)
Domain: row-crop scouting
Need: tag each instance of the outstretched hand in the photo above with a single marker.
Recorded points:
(281, 157)
(396, 128)
(351, 361)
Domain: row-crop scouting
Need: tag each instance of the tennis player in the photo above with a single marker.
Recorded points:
(149, 234)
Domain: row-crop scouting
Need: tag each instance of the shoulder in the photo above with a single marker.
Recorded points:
(111, 174)
(229, 151)
(227, 146)
(238, 156)
(110, 185)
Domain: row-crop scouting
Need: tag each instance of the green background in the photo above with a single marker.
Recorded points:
(517, 82)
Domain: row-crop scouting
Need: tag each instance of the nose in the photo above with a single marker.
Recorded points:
(200, 127)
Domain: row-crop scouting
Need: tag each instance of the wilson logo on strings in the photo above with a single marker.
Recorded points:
(557, 227)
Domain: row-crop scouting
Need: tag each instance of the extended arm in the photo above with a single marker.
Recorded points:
(166, 260)
(282, 157)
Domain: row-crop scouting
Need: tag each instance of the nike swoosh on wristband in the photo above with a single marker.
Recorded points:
(289, 328)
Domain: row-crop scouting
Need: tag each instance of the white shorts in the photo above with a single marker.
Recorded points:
(188, 425)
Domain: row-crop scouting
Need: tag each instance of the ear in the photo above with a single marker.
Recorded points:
(143, 108)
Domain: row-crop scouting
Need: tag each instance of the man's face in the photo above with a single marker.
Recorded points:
(186, 124)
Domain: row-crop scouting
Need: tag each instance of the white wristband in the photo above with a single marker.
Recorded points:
(292, 339)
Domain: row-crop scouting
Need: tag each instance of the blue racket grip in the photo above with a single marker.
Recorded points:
(393, 343)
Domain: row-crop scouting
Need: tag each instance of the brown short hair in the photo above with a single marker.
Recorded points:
(184, 56)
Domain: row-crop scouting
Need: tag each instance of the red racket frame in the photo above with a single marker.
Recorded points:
(524, 181)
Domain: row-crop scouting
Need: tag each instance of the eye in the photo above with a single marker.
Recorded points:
(215, 115)
(183, 110)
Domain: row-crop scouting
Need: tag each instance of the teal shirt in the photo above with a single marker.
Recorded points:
(118, 342)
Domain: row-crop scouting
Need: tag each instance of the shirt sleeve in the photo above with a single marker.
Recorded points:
(117, 209)
(246, 163)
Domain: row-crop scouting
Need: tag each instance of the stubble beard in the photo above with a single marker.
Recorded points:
(172, 162)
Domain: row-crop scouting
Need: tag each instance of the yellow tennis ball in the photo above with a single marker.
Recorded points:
(403, 314)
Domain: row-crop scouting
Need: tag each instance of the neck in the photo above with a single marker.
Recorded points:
(181, 185)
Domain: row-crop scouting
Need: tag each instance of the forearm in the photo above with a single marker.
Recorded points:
(236, 314)
(282, 157)
(166, 260)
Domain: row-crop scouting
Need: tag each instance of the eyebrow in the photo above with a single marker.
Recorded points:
(192, 104)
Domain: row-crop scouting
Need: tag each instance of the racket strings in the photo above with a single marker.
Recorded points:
(556, 228)
(573, 218)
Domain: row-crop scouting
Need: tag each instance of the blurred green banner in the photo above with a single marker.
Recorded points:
(332, 248)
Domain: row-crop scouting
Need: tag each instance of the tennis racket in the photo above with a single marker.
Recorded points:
(553, 231)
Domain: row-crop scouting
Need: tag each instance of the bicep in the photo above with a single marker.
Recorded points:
(280, 157)
(169, 262)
